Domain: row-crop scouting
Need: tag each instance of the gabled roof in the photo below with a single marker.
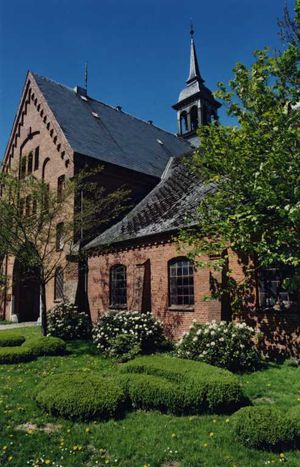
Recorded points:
(171, 205)
(103, 132)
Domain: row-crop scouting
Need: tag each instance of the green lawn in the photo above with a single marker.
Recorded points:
(140, 439)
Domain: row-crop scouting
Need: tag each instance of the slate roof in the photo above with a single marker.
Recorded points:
(115, 137)
(169, 206)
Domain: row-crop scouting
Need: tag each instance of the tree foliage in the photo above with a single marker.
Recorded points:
(31, 211)
(255, 165)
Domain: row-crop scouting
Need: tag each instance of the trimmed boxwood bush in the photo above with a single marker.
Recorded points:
(81, 396)
(181, 386)
(9, 339)
(41, 346)
(16, 354)
(265, 428)
(123, 348)
(31, 349)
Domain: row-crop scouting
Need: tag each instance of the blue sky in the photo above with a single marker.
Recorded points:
(137, 50)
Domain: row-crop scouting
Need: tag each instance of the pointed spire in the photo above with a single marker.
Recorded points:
(194, 67)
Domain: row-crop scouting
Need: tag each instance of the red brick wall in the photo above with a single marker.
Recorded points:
(35, 126)
(157, 255)
(280, 332)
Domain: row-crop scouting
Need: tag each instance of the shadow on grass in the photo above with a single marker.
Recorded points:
(81, 347)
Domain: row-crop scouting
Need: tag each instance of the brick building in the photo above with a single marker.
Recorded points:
(134, 264)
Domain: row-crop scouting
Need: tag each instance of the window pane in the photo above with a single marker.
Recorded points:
(271, 290)
(181, 282)
(118, 286)
(59, 284)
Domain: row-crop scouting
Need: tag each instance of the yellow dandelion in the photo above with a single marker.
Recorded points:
(214, 420)
(87, 430)
(173, 435)
(281, 455)
(4, 448)
(205, 445)
(211, 434)
(47, 461)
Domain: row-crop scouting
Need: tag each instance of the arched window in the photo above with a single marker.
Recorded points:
(59, 284)
(194, 117)
(44, 167)
(23, 167)
(183, 122)
(60, 236)
(28, 205)
(30, 164)
(118, 286)
(273, 294)
(60, 187)
(181, 282)
(36, 158)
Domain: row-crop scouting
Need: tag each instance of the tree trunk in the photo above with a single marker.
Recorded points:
(43, 309)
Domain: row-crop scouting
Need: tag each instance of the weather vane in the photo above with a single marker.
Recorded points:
(86, 75)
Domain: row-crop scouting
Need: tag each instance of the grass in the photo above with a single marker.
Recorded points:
(140, 439)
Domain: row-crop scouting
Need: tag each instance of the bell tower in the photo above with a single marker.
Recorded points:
(196, 105)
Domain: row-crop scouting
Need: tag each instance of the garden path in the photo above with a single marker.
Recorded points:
(17, 325)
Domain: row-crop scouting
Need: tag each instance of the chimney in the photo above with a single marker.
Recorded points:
(80, 91)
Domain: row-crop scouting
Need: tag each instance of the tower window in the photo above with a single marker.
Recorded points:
(118, 286)
(183, 122)
(204, 115)
(181, 282)
(194, 118)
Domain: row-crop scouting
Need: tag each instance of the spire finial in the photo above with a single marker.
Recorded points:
(192, 29)
(194, 67)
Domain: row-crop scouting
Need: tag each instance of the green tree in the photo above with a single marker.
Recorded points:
(254, 165)
(42, 228)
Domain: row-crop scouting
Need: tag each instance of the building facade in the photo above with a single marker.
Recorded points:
(135, 263)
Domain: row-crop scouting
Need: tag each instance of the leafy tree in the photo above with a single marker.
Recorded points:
(254, 166)
(42, 228)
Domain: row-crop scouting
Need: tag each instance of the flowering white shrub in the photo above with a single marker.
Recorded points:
(65, 321)
(227, 345)
(143, 327)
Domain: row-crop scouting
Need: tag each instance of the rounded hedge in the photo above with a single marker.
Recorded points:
(180, 386)
(265, 428)
(9, 339)
(81, 396)
(31, 349)
(16, 354)
(42, 346)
